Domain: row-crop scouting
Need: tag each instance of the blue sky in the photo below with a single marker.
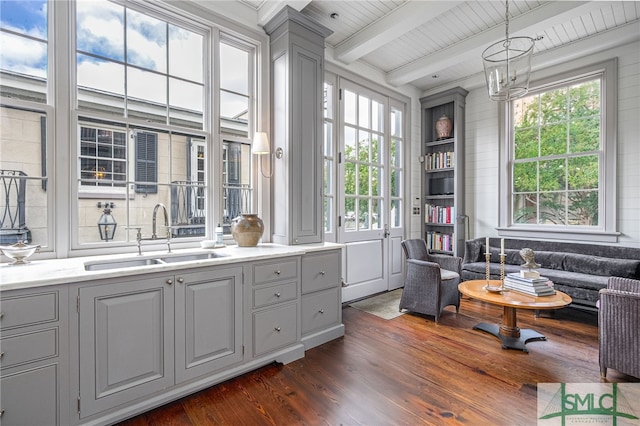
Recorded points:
(26, 16)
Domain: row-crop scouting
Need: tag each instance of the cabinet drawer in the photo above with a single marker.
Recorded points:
(320, 271)
(275, 271)
(28, 347)
(275, 328)
(274, 294)
(18, 311)
(319, 310)
(31, 397)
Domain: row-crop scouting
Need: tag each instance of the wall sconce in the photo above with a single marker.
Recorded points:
(107, 223)
(260, 147)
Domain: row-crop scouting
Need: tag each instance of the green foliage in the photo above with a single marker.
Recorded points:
(557, 123)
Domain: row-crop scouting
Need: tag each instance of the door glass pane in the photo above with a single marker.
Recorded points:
(328, 139)
(350, 178)
(377, 149)
(377, 116)
(376, 213)
(350, 213)
(350, 107)
(396, 213)
(364, 215)
(363, 179)
(376, 173)
(363, 112)
(363, 146)
(328, 100)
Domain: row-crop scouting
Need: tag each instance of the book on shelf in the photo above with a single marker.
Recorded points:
(438, 160)
(438, 241)
(439, 214)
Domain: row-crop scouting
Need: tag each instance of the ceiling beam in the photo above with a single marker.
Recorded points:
(392, 25)
(538, 19)
(269, 9)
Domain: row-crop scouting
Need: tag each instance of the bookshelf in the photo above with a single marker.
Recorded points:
(442, 159)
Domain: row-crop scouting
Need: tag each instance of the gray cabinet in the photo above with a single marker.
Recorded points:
(443, 172)
(297, 70)
(321, 313)
(275, 305)
(126, 341)
(208, 330)
(33, 357)
(141, 336)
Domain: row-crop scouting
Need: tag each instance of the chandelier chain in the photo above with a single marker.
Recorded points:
(506, 19)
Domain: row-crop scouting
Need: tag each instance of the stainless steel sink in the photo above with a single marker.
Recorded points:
(118, 264)
(132, 263)
(190, 257)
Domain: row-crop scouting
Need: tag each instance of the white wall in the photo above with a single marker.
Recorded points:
(482, 148)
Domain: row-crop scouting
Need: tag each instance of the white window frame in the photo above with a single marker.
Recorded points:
(606, 229)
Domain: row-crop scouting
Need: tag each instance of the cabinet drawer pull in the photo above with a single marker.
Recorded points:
(1, 354)
(169, 281)
(278, 272)
(1, 315)
(322, 272)
(321, 311)
(180, 280)
(278, 329)
(1, 412)
(278, 295)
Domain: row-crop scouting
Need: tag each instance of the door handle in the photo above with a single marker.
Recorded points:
(386, 230)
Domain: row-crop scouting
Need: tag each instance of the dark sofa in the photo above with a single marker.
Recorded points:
(579, 270)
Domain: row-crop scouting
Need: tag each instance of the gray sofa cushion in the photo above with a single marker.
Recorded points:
(595, 265)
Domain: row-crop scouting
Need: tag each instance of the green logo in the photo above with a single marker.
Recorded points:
(603, 400)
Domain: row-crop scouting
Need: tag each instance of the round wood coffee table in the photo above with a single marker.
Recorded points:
(508, 332)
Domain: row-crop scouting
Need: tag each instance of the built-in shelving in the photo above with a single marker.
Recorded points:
(443, 173)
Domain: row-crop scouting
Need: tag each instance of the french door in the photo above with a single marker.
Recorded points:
(369, 196)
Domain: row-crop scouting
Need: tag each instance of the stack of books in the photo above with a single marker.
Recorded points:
(539, 286)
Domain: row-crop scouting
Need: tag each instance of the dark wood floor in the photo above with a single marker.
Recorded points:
(405, 371)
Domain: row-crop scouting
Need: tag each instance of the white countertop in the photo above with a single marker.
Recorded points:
(39, 273)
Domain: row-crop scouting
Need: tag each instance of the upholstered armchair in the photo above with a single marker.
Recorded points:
(619, 326)
(431, 281)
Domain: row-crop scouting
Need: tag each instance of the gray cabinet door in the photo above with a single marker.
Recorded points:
(126, 342)
(306, 145)
(208, 310)
(31, 397)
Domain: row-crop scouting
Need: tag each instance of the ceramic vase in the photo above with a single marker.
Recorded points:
(247, 229)
(444, 126)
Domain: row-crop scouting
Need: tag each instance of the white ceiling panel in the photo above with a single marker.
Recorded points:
(411, 40)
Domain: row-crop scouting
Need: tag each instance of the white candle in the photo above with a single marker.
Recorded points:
(501, 245)
(486, 246)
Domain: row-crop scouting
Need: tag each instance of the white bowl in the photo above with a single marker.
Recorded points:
(208, 244)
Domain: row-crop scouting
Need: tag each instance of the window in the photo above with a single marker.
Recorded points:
(23, 57)
(235, 85)
(103, 157)
(237, 191)
(133, 64)
(138, 121)
(561, 152)
(26, 135)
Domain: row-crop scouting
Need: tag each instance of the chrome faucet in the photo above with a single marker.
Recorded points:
(154, 236)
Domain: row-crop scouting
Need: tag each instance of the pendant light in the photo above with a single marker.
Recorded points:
(507, 65)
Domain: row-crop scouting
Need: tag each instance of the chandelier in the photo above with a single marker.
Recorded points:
(507, 65)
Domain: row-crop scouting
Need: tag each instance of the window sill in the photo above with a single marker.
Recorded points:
(101, 194)
(559, 234)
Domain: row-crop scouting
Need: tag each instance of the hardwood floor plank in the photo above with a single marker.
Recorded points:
(405, 371)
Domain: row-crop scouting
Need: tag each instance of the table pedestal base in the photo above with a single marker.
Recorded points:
(509, 342)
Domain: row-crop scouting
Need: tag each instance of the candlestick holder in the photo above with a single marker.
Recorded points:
(487, 256)
(502, 258)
